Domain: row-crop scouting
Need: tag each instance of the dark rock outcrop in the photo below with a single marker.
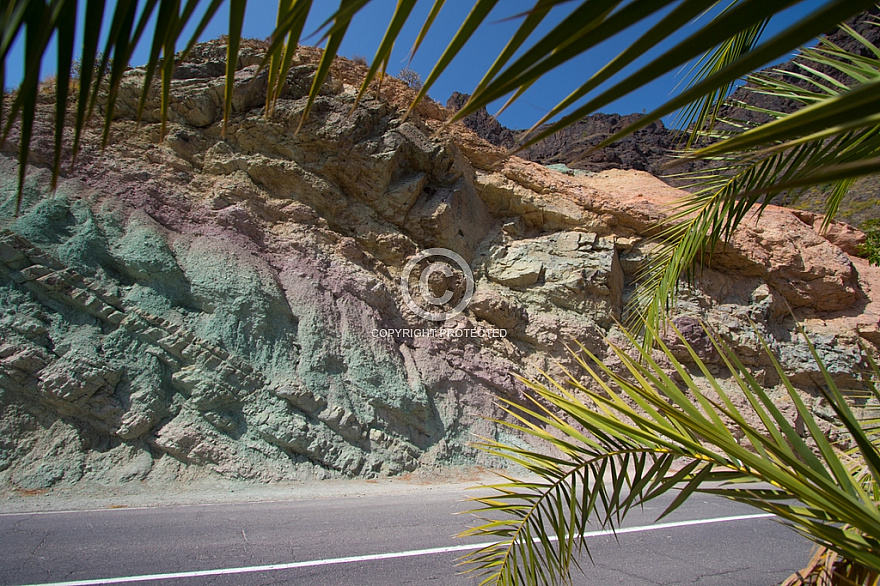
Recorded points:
(483, 124)
(645, 150)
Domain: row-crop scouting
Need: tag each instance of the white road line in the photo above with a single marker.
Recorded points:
(384, 556)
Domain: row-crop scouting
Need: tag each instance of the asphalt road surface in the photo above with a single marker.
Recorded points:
(390, 539)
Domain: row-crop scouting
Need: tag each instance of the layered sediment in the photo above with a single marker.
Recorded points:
(233, 305)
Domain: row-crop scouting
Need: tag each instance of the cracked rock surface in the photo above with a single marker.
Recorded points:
(209, 305)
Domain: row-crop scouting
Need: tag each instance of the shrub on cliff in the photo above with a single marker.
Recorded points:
(871, 248)
(411, 78)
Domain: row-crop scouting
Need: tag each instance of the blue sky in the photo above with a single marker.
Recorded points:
(366, 32)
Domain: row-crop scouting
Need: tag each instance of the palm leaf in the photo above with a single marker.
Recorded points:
(236, 22)
(702, 114)
(167, 11)
(121, 42)
(589, 23)
(531, 21)
(793, 154)
(94, 18)
(39, 21)
(66, 13)
(212, 9)
(587, 26)
(834, 115)
(745, 14)
(341, 19)
(475, 18)
(383, 53)
(429, 22)
(292, 15)
(605, 431)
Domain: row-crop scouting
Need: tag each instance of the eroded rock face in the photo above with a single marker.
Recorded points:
(233, 305)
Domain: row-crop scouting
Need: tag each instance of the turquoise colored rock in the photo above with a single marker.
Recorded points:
(235, 305)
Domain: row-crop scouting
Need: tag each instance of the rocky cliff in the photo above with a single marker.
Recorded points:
(235, 306)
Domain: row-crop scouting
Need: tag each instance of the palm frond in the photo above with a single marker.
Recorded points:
(236, 22)
(67, 11)
(475, 18)
(584, 29)
(39, 21)
(852, 110)
(121, 42)
(701, 115)
(426, 26)
(94, 18)
(291, 21)
(750, 163)
(383, 53)
(745, 14)
(623, 438)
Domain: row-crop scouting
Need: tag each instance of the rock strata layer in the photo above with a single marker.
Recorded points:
(233, 305)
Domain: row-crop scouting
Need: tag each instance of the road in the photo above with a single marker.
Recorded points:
(390, 539)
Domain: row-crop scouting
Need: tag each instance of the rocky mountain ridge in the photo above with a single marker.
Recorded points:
(645, 150)
(234, 306)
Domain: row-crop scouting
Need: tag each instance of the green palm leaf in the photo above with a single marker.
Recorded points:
(429, 22)
(39, 21)
(94, 18)
(121, 42)
(475, 18)
(292, 16)
(67, 12)
(634, 428)
(834, 115)
(341, 20)
(236, 22)
(587, 26)
(383, 53)
(793, 152)
(744, 15)
(702, 114)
